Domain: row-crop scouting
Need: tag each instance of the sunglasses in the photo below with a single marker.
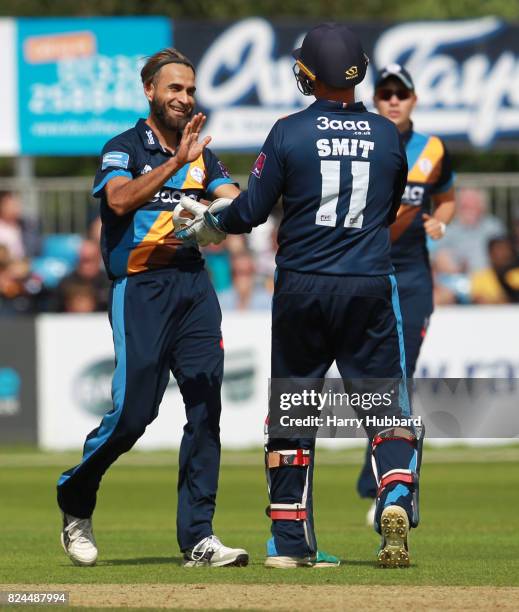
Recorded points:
(387, 94)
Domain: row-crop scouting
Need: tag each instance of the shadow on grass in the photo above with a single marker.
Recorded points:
(358, 562)
(142, 561)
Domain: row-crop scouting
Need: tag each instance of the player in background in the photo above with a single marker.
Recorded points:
(164, 312)
(428, 206)
(341, 173)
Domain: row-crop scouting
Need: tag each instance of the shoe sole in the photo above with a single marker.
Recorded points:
(395, 529)
(73, 559)
(286, 562)
(325, 564)
(241, 560)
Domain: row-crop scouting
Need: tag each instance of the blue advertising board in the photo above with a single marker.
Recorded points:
(79, 79)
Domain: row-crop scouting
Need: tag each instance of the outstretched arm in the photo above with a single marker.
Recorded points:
(249, 209)
(252, 207)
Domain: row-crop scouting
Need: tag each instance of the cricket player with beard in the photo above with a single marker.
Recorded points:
(428, 206)
(164, 313)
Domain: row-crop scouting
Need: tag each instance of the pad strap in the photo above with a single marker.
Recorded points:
(287, 512)
(395, 433)
(402, 476)
(293, 458)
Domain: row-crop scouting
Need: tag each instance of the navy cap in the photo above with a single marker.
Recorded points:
(333, 54)
(398, 72)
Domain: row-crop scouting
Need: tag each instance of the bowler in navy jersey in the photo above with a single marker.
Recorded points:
(164, 313)
(340, 172)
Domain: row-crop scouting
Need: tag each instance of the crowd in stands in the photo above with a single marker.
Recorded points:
(476, 262)
(478, 259)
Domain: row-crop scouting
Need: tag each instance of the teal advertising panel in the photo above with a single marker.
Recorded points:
(79, 81)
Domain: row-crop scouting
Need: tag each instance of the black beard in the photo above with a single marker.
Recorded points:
(161, 116)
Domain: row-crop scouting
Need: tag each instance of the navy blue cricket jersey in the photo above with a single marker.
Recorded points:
(143, 239)
(341, 172)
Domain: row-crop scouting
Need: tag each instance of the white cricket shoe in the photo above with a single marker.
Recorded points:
(212, 553)
(321, 560)
(77, 539)
(280, 562)
(370, 514)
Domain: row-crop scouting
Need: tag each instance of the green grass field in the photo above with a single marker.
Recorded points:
(469, 533)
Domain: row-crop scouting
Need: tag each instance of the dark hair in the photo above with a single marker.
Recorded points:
(499, 240)
(166, 56)
(5, 194)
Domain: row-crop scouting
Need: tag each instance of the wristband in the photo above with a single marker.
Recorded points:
(443, 228)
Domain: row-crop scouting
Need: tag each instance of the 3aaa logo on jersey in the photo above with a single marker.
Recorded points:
(259, 164)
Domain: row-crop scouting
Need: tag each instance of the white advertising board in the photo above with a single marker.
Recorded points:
(75, 361)
(75, 365)
(471, 342)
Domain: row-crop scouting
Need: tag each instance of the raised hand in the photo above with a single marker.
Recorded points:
(189, 148)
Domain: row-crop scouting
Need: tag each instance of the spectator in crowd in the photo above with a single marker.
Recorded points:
(88, 271)
(263, 246)
(464, 247)
(19, 235)
(245, 293)
(79, 296)
(514, 230)
(449, 286)
(463, 251)
(20, 291)
(499, 283)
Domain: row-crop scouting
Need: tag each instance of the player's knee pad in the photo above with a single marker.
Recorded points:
(396, 459)
(288, 478)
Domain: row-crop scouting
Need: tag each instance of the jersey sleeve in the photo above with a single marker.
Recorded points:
(446, 176)
(217, 173)
(252, 207)
(116, 160)
(399, 182)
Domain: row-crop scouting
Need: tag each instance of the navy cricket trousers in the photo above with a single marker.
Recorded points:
(316, 319)
(162, 321)
(415, 290)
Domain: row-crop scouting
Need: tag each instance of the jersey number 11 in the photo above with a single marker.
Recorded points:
(330, 192)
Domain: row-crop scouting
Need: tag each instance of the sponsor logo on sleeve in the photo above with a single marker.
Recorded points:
(115, 159)
(198, 174)
(223, 170)
(259, 164)
(425, 165)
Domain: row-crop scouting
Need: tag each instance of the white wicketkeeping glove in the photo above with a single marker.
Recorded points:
(204, 226)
